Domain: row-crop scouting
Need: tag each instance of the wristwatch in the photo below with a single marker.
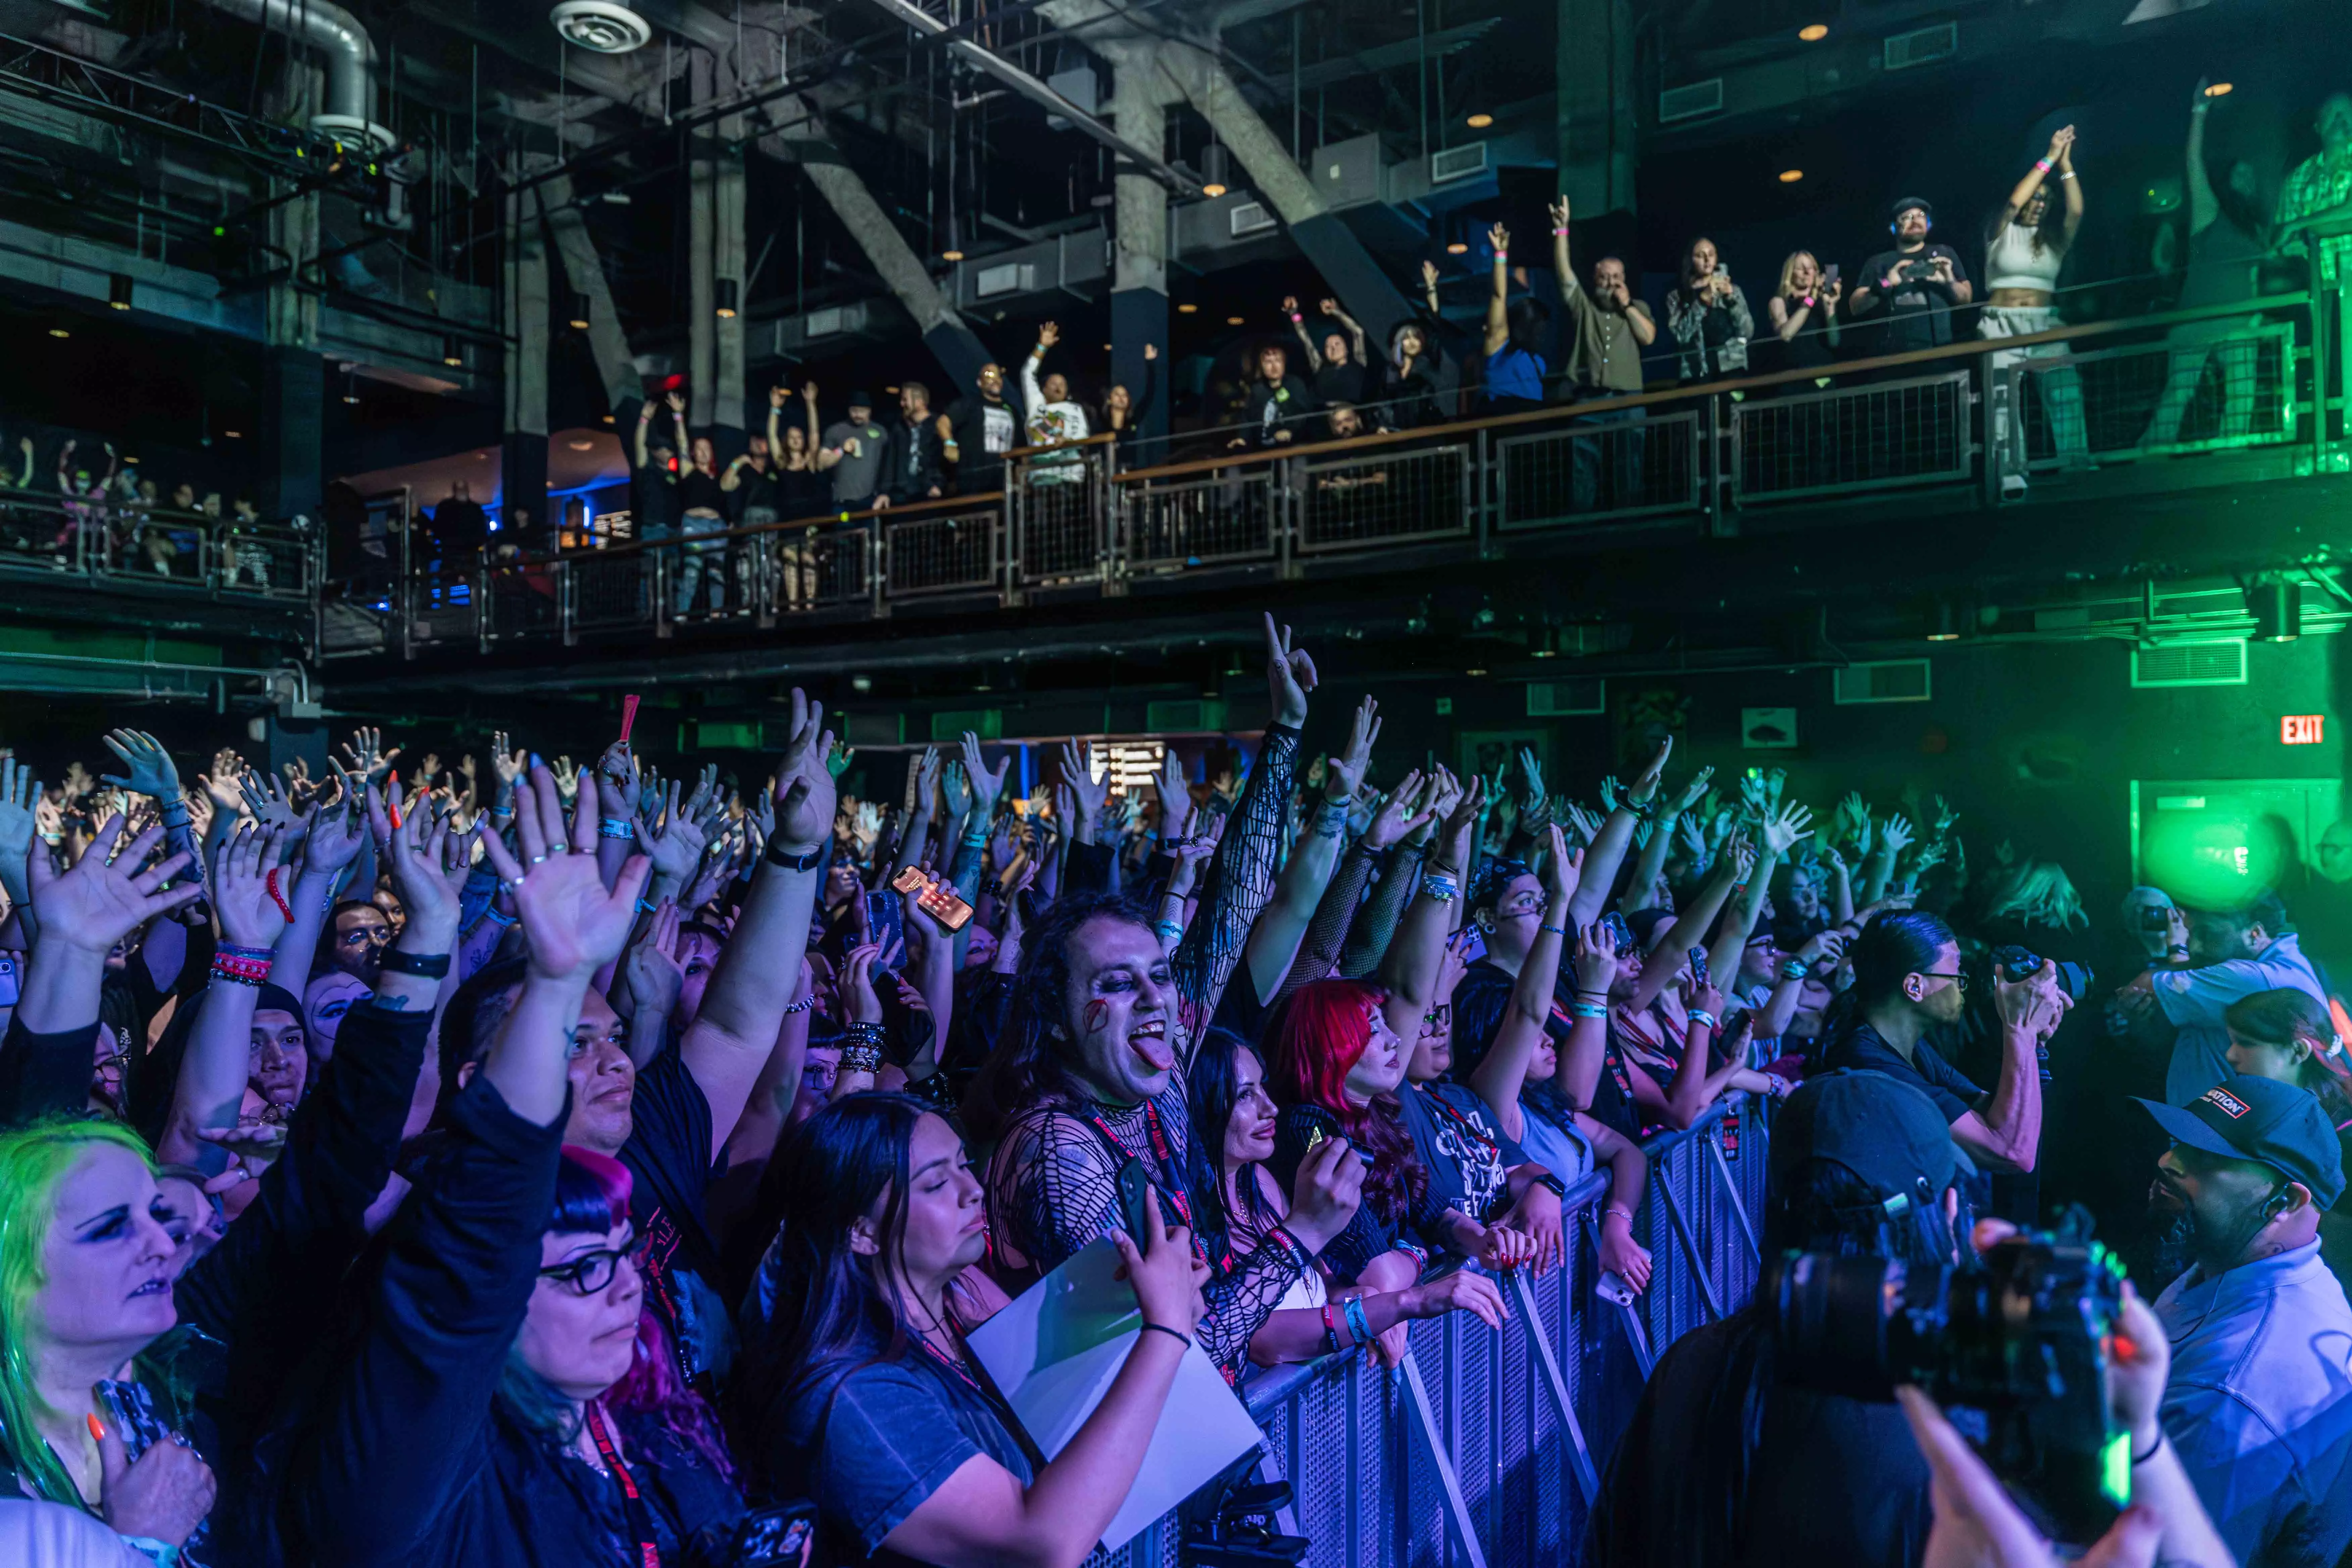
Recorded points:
(1559, 1188)
(780, 857)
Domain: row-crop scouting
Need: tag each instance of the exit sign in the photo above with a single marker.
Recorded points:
(2302, 728)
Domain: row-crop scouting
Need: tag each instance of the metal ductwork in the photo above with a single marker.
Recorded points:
(346, 51)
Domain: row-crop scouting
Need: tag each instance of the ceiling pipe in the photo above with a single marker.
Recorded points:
(344, 48)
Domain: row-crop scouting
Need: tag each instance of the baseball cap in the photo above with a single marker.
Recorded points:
(1880, 1128)
(859, 400)
(2274, 1124)
(1905, 203)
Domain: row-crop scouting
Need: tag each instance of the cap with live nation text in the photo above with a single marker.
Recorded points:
(2270, 1124)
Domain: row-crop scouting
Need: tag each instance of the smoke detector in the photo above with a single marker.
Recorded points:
(601, 26)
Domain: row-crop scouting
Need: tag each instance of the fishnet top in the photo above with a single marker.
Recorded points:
(1053, 1187)
(1236, 885)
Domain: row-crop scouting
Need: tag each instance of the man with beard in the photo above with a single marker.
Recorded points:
(2259, 1403)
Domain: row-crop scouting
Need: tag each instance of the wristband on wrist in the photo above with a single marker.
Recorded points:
(1795, 969)
(1587, 1010)
(1620, 1210)
(1560, 233)
(779, 856)
(861, 1059)
(239, 969)
(490, 913)
(1501, 257)
(2138, 1459)
(2065, 174)
(1330, 1329)
(1554, 931)
(617, 827)
(1359, 1322)
(1179, 1335)
(1701, 1016)
(423, 965)
(803, 1006)
(2043, 164)
(1440, 886)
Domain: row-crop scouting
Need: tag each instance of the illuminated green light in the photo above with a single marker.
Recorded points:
(2114, 1470)
(2214, 859)
(218, 231)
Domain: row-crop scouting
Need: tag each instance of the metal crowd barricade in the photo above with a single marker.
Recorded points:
(2205, 387)
(1485, 1449)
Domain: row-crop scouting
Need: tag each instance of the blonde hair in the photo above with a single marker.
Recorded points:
(1789, 269)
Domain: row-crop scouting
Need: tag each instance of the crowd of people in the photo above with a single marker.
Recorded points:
(528, 1163)
(71, 500)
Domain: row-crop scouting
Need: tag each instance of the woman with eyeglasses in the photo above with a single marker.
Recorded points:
(504, 1396)
(1907, 981)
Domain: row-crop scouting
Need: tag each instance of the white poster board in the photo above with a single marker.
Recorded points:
(1054, 1352)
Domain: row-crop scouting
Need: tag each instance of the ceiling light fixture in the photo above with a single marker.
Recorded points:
(1457, 248)
(1233, 320)
(118, 290)
(725, 292)
(1186, 310)
(1213, 168)
(951, 253)
(2218, 89)
(576, 305)
(60, 331)
(601, 26)
(1814, 32)
(453, 353)
(1790, 176)
(1480, 121)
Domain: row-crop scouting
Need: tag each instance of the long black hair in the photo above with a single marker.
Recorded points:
(1025, 1067)
(1213, 1087)
(827, 1306)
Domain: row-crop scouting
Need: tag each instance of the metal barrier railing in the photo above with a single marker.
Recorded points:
(1978, 415)
(1485, 1449)
(114, 541)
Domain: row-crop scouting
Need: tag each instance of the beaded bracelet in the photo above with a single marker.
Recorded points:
(1440, 887)
(803, 1006)
(865, 1033)
(239, 970)
(861, 1059)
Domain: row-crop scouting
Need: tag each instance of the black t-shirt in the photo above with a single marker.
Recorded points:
(1279, 408)
(1912, 315)
(1831, 1480)
(754, 487)
(698, 491)
(652, 497)
(1858, 1045)
(668, 1154)
(1467, 1151)
(1347, 383)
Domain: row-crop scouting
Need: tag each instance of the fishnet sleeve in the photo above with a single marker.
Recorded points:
(1368, 942)
(1238, 882)
(1240, 1300)
(1328, 930)
(1053, 1188)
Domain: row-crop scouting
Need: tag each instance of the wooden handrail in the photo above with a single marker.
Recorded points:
(1569, 411)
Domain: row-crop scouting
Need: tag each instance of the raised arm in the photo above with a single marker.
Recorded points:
(644, 424)
(732, 1036)
(1418, 954)
(149, 771)
(2022, 192)
(1691, 923)
(1355, 328)
(1608, 848)
(1498, 319)
(1240, 877)
(1504, 1073)
(1275, 940)
(1298, 327)
(2073, 218)
(2204, 206)
(2007, 1133)
(1033, 397)
(213, 1069)
(337, 830)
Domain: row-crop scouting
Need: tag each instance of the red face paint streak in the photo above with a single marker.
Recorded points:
(1098, 1015)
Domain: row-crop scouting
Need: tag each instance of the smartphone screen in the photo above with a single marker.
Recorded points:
(886, 920)
(1831, 275)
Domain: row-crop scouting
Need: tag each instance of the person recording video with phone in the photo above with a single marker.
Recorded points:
(1915, 287)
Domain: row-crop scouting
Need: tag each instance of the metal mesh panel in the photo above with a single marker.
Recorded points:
(938, 555)
(2210, 385)
(445, 606)
(717, 579)
(611, 591)
(1058, 506)
(522, 603)
(1610, 466)
(1232, 514)
(266, 562)
(1393, 494)
(1879, 434)
(145, 542)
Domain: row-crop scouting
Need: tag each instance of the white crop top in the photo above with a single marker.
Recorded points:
(2014, 263)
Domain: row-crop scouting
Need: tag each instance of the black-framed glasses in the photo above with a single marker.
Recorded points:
(1959, 980)
(592, 1271)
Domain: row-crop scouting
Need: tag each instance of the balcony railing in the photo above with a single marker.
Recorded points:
(2039, 425)
(110, 543)
(1486, 1448)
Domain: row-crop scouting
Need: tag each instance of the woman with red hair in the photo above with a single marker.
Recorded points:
(1338, 1058)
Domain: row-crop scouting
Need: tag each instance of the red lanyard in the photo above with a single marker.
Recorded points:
(1466, 1125)
(1171, 1180)
(633, 1503)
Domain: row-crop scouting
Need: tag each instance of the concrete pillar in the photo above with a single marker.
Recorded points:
(1598, 127)
(523, 431)
(1139, 299)
(729, 259)
(799, 136)
(702, 236)
(581, 271)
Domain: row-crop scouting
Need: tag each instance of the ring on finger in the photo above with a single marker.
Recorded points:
(536, 859)
(559, 847)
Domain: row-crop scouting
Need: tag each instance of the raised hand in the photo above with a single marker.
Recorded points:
(1289, 675)
(1500, 238)
(1561, 868)
(1596, 958)
(149, 766)
(955, 789)
(269, 801)
(106, 897)
(1782, 833)
(1406, 808)
(20, 795)
(650, 975)
(1896, 836)
(1645, 787)
(365, 756)
(1086, 794)
(335, 838)
(417, 855)
(987, 785)
(249, 916)
(803, 790)
(1693, 790)
(1345, 774)
(574, 924)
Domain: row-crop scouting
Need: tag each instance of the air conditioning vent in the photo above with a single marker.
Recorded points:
(1567, 698)
(2190, 664)
(1884, 680)
(1006, 277)
(832, 322)
(1195, 716)
(1922, 46)
(1694, 101)
(1457, 162)
(1248, 218)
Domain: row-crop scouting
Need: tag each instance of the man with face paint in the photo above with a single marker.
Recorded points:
(2259, 1403)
